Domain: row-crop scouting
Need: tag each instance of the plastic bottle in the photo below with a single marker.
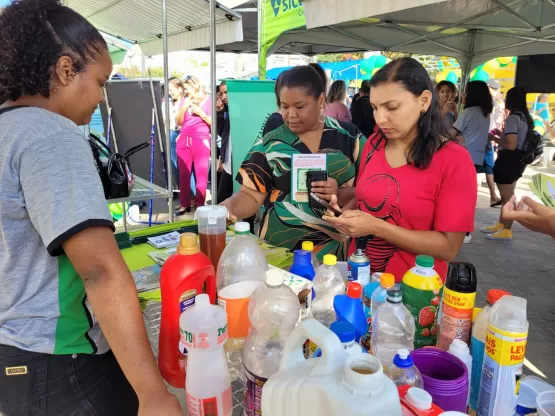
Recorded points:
(457, 306)
(309, 246)
(478, 343)
(530, 388)
(349, 308)
(379, 297)
(335, 384)
(204, 331)
(241, 270)
(505, 349)
(274, 311)
(421, 287)
(393, 328)
(417, 402)
(302, 264)
(346, 334)
(182, 277)
(211, 231)
(403, 371)
(359, 264)
(460, 350)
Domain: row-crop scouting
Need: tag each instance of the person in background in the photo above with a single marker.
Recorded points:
(508, 167)
(266, 170)
(225, 186)
(193, 145)
(415, 190)
(530, 214)
(446, 96)
(336, 107)
(541, 107)
(72, 336)
(550, 129)
(496, 122)
(176, 92)
(362, 112)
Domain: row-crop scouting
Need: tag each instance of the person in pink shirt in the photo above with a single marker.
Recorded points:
(336, 107)
(193, 144)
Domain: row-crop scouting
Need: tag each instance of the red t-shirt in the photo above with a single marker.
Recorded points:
(441, 197)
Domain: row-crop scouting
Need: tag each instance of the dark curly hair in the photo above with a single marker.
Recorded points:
(415, 79)
(34, 34)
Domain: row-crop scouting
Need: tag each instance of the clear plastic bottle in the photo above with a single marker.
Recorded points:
(393, 328)
(241, 270)
(309, 246)
(403, 371)
(379, 297)
(327, 284)
(274, 311)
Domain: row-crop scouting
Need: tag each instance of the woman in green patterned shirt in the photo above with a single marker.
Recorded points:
(266, 172)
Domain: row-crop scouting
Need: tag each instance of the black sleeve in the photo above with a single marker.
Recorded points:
(272, 123)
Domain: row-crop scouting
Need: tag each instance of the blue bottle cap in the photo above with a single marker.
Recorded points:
(344, 330)
(402, 359)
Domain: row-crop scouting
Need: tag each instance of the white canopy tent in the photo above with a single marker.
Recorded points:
(472, 31)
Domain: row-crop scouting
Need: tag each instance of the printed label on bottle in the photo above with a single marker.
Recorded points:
(253, 393)
(237, 310)
(186, 301)
(309, 348)
(209, 406)
(423, 305)
(456, 317)
(478, 348)
(358, 273)
(501, 372)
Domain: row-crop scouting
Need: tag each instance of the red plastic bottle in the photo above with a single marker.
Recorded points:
(183, 276)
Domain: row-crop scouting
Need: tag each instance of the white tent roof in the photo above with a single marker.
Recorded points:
(473, 31)
(140, 21)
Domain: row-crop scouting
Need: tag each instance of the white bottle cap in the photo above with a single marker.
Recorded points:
(274, 278)
(459, 348)
(242, 227)
(419, 398)
(403, 353)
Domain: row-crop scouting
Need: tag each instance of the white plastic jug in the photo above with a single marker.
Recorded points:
(334, 384)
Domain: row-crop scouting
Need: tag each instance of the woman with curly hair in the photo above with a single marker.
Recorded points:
(72, 337)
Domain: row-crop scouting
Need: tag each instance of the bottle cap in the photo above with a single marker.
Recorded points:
(242, 228)
(302, 257)
(308, 245)
(188, 244)
(387, 280)
(211, 212)
(330, 260)
(394, 296)
(424, 261)
(344, 330)
(419, 398)
(495, 294)
(354, 290)
(459, 348)
(274, 278)
(403, 359)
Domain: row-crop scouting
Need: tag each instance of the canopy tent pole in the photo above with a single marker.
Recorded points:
(214, 129)
(167, 107)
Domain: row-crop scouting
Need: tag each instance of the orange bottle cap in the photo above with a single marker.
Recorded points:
(188, 244)
(387, 280)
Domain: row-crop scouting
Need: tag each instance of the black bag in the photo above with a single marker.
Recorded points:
(533, 145)
(115, 172)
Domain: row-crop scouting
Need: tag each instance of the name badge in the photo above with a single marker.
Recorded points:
(16, 371)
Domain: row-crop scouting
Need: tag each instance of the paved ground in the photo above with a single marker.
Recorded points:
(525, 267)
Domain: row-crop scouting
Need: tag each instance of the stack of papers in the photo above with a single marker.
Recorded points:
(164, 241)
(543, 187)
(147, 279)
(160, 257)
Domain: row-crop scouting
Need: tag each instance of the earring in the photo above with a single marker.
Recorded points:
(322, 118)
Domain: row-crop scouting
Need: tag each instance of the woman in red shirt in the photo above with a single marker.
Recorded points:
(416, 190)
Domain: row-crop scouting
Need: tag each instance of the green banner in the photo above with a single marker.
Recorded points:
(278, 16)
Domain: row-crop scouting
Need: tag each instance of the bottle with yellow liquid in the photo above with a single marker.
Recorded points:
(421, 287)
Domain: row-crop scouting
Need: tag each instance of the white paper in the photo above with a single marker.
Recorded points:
(300, 165)
(164, 241)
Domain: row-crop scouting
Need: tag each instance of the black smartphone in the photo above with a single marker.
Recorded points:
(315, 176)
(317, 202)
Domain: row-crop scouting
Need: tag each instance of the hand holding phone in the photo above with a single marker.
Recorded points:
(317, 202)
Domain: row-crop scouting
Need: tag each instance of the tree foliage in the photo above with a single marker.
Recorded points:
(340, 57)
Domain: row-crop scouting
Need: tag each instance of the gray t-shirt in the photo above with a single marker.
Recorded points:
(50, 192)
(516, 124)
(474, 127)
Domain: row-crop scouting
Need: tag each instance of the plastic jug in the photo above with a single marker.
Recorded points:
(204, 331)
(460, 350)
(546, 403)
(378, 298)
(241, 270)
(421, 287)
(505, 349)
(530, 388)
(349, 308)
(459, 296)
(335, 384)
(478, 343)
(309, 246)
(274, 311)
(182, 277)
(403, 372)
(417, 402)
(393, 329)
(211, 231)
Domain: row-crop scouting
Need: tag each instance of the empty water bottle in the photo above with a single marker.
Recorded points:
(403, 371)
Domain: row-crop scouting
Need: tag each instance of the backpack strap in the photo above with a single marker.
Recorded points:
(374, 147)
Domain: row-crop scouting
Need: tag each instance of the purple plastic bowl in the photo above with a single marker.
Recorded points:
(445, 378)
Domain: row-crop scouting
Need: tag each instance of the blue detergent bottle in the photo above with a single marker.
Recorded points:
(346, 334)
(302, 264)
(349, 308)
